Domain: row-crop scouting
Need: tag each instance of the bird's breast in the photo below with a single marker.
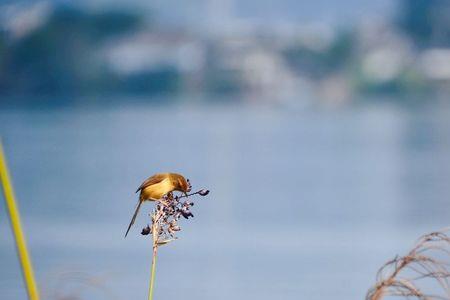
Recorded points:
(158, 190)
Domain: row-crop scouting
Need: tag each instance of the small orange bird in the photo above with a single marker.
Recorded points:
(157, 186)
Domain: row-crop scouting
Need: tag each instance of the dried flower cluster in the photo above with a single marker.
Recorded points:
(426, 267)
(166, 214)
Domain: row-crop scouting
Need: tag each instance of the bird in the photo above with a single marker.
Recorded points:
(157, 186)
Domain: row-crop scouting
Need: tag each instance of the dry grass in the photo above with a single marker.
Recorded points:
(425, 268)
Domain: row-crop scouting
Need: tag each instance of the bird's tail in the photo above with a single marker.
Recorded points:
(134, 216)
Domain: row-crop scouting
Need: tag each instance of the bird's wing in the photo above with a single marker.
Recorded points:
(152, 180)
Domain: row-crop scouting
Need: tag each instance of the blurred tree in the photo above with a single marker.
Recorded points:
(3, 50)
(427, 22)
(160, 80)
(317, 63)
(60, 55)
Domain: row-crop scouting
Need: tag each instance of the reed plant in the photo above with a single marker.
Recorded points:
(16, 224)
(164, 224)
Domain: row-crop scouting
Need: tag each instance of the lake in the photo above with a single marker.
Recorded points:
(304, 203)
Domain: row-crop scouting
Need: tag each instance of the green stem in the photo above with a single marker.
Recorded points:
(152, 276)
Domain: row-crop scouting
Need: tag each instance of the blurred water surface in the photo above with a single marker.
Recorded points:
(303, 204)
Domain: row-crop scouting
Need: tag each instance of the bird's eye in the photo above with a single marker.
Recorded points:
(189, 187)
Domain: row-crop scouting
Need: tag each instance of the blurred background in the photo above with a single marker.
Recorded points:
(322, 129)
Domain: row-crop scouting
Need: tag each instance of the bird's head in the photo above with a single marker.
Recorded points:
(183, 184)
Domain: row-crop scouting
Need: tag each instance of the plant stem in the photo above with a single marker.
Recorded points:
(14, 216)
(152, 276)
(156, 216)
(188, 195)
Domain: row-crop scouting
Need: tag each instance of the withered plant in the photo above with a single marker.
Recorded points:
(164, 223)
(423, 273)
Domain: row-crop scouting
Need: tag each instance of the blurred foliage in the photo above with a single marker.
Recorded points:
(407, 82)
(61, 56)
(71, 52)
(317, 63)
(427, 22)
(223, 82)
(161, 79)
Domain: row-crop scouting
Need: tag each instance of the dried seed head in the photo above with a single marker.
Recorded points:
(203, 192)
(173, 227)
(186, 213)
(188, 204)
(167, 213)
(164, 242)
(146, 230)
